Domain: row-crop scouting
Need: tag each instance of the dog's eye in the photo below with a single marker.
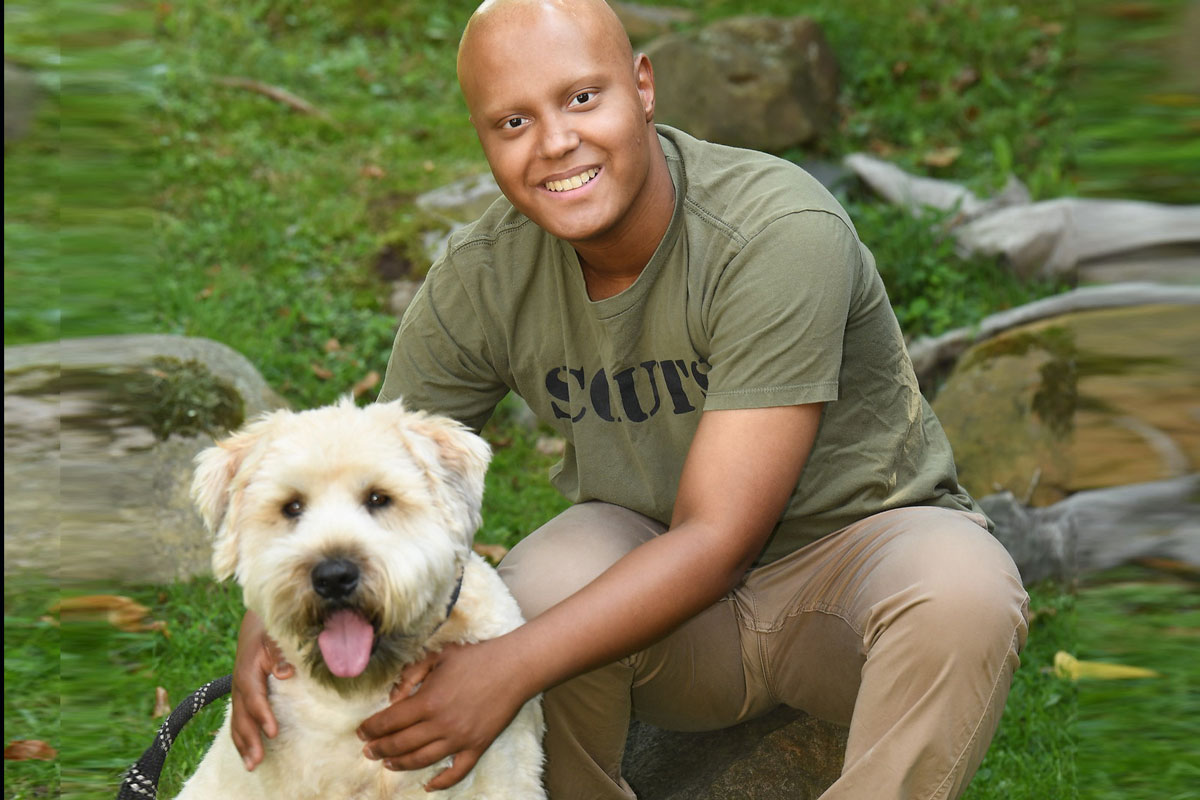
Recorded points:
(377, 499)
(293, 509)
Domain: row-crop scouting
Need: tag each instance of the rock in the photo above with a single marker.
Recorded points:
(1093, 531)
(96, 486)
(645, 22)
(756, 82)
(783, 755)
(449, 207)
(934, 357)
(403, 292)
(20, 101)
(1078, 402)
(1072, 238)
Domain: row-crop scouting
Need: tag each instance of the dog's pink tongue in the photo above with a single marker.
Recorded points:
(346, 643)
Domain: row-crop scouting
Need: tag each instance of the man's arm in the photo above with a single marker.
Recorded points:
(741, 469)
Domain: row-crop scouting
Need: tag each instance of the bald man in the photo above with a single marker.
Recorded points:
(765, 510)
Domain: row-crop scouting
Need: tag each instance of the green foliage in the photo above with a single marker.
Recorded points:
(185, 398)
(930, 287)
(1138, 738)
(1032, 756)
(31, 683)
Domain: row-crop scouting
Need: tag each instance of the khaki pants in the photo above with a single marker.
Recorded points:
(905, 626)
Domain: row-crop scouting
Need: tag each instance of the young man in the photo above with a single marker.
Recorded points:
(766, 509)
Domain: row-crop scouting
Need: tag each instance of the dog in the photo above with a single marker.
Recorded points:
(350, 532)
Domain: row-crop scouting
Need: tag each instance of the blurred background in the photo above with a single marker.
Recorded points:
(216, 208)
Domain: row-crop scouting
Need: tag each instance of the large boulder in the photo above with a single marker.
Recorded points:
(1081, 401)
(757, 82)
(99, 437)
(783, 755)
(644, 22)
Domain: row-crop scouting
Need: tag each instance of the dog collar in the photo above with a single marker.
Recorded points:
(453, 597)
(454, 594)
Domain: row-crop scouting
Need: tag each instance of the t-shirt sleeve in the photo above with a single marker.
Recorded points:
(441, 361)
(778, 314)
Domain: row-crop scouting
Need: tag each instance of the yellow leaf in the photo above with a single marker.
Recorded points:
(942, 157)
(162, 703)
(121, 612)
(1067, 666)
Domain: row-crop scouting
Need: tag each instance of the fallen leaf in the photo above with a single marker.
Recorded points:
(881, 148)
(162, 703)
(966, 77)
(1170, 565)
(369, 382)
(429, 166)
(331, 345)
(492, 552)
(28, 750)
(321, 372)
(899, 68)
(1174, 100)
(121, 612)
(1067, 666)
(372, 171)
(942, 157)
(1133, 11)
(204, 293)
(550, 445)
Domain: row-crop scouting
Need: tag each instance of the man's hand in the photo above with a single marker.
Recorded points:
(465, 696)
(257, 658)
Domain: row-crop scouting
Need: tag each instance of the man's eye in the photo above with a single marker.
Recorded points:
(581, 98)
(515, 122)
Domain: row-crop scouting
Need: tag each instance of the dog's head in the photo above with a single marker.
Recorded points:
(346, 528)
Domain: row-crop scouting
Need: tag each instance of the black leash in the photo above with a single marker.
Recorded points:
(141, 779)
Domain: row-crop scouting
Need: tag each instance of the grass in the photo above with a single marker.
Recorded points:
(152, 197)
(1139, 738)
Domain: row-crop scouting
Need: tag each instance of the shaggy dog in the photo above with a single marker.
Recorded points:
(350, 531)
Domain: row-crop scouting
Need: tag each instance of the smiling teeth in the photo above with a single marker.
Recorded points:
(572, 183)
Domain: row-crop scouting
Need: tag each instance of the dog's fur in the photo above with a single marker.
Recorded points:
(293, 490)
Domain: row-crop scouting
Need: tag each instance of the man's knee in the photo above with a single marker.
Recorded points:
(570, 551)
(961, 586)
(976, 599)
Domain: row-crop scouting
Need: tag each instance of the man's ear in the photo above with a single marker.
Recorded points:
(643, 75)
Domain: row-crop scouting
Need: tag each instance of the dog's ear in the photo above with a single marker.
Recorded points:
(462, 461)
(214, 492)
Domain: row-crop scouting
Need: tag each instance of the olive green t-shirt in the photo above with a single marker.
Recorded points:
(760, 294)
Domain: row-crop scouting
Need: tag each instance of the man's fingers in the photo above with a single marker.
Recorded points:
(396, 717)
(403, 743)
(249, 747)
(463, 762)
(413, 676)
(422, 757)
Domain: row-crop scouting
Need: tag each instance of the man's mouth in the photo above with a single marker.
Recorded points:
(574, 182)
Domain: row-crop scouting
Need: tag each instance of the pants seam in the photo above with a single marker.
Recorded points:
(1013, 645)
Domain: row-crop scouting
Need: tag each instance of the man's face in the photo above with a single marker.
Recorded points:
(563, 119)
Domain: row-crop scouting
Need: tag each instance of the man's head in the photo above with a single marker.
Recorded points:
(564, 112)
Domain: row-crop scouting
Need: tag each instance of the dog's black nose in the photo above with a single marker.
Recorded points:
(335, 578)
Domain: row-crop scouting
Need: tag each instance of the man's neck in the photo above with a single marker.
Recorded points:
(611, 267)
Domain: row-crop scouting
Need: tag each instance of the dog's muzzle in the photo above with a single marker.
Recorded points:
(335, 578)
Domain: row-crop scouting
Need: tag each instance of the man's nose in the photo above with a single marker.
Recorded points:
(559, 137)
